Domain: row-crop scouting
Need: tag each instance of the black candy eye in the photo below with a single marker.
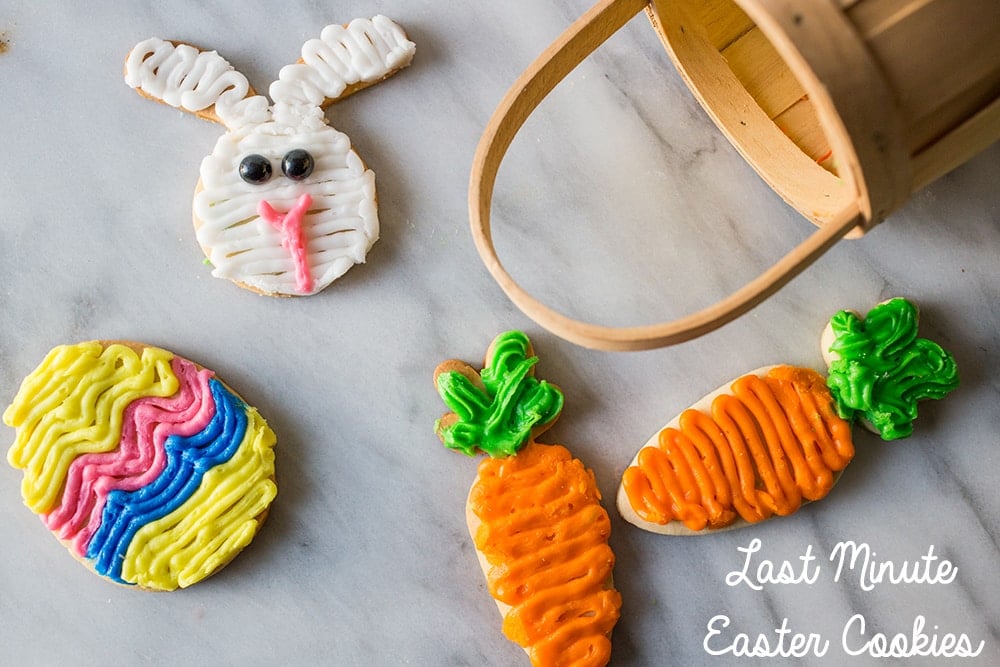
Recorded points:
(255, 169)
(297, 164)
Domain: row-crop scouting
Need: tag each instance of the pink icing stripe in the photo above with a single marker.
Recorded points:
(293, 240)
(138, 460)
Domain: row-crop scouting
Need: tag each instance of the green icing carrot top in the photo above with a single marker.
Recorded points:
(498, 409)
(881, 368)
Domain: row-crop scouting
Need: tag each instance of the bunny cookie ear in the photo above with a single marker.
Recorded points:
(343, 60)
(200, 82)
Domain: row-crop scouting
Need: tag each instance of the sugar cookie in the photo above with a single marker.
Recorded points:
(150, 470)
(284, 206)
(780, 436)
(533, 511)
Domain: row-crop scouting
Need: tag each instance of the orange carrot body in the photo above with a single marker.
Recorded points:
(771, 443)
(545, 536)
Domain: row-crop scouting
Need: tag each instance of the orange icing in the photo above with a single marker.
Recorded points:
(545, 537)
(770, 444)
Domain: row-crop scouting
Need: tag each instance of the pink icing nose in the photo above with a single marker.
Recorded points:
(289, 225)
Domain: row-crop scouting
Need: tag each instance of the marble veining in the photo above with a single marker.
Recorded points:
(619, 202)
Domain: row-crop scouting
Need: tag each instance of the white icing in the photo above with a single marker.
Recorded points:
(193, 80)
(364, 51)
(339, 230)
(342, 223)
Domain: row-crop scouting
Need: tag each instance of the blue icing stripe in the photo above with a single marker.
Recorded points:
(188, 459)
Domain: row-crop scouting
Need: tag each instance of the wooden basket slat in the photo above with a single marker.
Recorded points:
(931, 57)
(748, 127)
(937, 125)
(957, 147)
(761, 70)
(721, 25)
(801, 124)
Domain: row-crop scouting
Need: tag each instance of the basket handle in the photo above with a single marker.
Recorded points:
(581, 39)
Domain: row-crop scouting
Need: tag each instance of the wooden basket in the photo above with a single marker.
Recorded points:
(844, 107)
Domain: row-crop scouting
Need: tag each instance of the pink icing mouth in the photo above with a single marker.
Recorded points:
(289, 225)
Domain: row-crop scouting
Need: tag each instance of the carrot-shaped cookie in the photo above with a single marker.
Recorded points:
(534, 511)
(780, 436)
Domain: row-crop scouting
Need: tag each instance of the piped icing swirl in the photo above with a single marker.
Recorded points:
(544, 535)
(138, 460)
(183, 76)
(362, 52)
(879, 368)
(145, 465)
(500, 416)
(765, 446)
(194, 80)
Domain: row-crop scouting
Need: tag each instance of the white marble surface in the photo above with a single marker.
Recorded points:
(635, 209)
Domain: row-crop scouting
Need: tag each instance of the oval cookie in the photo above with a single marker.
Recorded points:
(754, 448)
(150, 470)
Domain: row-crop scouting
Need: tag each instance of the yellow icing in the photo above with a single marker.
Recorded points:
(72, 404)
(214, 524)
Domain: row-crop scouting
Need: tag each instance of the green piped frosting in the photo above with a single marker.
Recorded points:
(884, 368)
(500, 420)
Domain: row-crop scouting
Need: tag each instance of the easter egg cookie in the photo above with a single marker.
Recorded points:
(779, 437)
(149, 469)
(284, 205)
(533, 511)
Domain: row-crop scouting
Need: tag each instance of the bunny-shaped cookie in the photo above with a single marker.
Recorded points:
(284, 206)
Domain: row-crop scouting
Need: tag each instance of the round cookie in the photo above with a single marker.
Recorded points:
(150, 470)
